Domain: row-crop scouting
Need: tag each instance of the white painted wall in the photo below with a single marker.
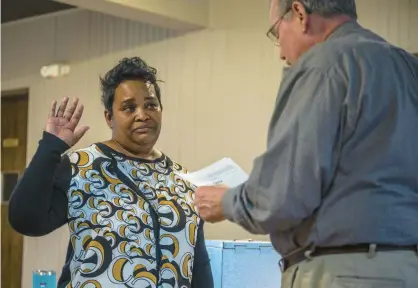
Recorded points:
(220, 83)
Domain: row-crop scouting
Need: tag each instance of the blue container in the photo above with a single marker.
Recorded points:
(44, 279)
(244, 264)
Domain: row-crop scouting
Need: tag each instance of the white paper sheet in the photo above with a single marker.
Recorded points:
(223, 172)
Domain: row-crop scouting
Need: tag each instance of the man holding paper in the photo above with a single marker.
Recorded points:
(337, 188)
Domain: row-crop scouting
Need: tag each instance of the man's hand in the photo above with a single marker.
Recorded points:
(209, 202)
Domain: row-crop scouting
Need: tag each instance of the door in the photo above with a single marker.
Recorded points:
(14, 118)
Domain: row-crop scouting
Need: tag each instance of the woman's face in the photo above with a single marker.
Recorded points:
(136, 115)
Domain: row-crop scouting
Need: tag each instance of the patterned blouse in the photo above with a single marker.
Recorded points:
(132, 222)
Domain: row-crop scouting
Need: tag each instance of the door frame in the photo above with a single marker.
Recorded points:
(14, 92)
(19, 92)
(19, 173)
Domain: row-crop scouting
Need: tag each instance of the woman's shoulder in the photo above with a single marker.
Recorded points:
(175, 165)
(88, 153)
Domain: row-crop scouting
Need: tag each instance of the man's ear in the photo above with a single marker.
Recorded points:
(300, 14)
(108, 117)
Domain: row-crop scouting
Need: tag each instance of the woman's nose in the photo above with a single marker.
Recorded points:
(141, 114)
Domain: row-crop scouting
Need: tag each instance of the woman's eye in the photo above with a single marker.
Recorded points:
(129, 108)
(152, 106)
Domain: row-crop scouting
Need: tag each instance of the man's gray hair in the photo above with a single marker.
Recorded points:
(325, 8)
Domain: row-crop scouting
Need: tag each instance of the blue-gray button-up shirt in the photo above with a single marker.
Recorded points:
(341, 166)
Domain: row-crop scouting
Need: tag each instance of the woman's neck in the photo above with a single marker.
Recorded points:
(147, 153)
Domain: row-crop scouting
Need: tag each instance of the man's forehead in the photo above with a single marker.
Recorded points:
(280, 7)
(274, 9)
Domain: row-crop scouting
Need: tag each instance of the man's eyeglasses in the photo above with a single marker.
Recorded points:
(272, 33)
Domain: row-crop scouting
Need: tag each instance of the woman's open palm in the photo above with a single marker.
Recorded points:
(63, 123)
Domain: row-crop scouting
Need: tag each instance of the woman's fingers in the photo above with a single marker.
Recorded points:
(53, 108)
(76, 116)
(79, 133)
(62, 107)
(68, 114)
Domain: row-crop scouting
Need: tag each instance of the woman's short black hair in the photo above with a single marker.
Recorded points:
(127, 69)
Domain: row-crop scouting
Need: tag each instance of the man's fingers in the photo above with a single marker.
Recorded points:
(70, 110)
(202, 192)
(62, 107)
(197, 200)
(222, 186)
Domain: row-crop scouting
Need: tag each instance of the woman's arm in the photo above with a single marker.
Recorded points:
(39, 202)
(202, 272)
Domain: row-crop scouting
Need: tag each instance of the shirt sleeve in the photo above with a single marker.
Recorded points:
(39, 203)
(202, 272)
(286, 184)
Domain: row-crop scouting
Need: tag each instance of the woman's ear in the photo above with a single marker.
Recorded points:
(108, 117)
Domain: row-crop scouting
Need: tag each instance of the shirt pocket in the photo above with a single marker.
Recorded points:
(366, 282)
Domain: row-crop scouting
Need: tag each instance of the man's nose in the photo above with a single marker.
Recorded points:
(281, 54)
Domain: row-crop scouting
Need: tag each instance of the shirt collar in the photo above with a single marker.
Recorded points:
(344, 29)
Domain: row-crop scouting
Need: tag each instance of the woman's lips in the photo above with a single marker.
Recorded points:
(143, 129)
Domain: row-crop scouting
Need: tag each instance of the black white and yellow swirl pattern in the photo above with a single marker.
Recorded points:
(112, 233)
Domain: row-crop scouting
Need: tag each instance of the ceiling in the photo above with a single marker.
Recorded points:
(12, 10)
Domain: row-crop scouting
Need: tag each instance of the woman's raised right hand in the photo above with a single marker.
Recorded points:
(63, 123)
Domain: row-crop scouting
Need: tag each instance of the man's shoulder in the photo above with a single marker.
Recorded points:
(338, 53)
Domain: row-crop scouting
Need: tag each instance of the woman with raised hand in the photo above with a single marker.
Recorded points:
(132, 220)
